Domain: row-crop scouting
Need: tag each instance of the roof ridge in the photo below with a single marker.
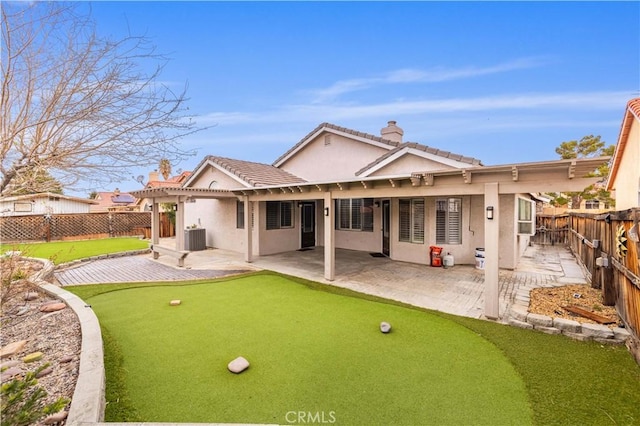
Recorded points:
(255, 177)
(339, 129)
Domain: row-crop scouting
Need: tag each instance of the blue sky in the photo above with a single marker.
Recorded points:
(500, 81)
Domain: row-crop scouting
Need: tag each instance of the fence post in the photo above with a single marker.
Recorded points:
(595, 270)
(609, 295)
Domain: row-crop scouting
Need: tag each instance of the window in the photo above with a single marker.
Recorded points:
(592, 204)
(239, 214)
(526, 217)
(279, 214)
(355, 214)
(412, 220)
(449, 221)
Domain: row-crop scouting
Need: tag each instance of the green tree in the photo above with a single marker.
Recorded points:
(589, 146)
(33, 181)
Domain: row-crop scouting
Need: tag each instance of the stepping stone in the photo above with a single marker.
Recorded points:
(12, 348)
(52, 307)
(56, 418)
(32, 357)
(385, 327)
(238, 365)
(175, 302)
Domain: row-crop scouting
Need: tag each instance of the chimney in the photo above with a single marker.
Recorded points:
(116, 192)
(392, 132)
(154, 176)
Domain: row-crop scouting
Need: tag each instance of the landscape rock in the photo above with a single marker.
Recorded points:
(238, 365)
(45, 372)
(56, 418)
(12, 348)
(548, 330)
(32, 357)
(175, 302)
(385, 327)
(10, 373)
(52, 307)
(9, 364)
(31, 295)
(23, 310)
(66, 359)
(620, 334)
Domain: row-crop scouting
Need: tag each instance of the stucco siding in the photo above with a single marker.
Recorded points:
(627, 182)
(210, 175)
(409, 163)
(340, 159)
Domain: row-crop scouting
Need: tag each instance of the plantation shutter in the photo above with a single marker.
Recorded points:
(345, 214)
(441, 221)
(286, 214)
(405, 220)
(356, 213)
(239, 214)
(367, 214)
(454, 221)
(418, 221)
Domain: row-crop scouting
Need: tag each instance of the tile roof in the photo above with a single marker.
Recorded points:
(414, 145)
(339, 129)
(173, 181)
(396, 146)
(115, 199)
(255, 174)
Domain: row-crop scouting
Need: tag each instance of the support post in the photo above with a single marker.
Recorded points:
(329, 238)
(180, 225)
(492, 251)
(155, 225)
(248, 230)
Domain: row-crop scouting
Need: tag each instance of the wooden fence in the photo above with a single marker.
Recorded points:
(607, 246)
(80, 226)
(552, 230)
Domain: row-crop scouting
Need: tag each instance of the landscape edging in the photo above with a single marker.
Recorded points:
(518, 315)
(88, 401)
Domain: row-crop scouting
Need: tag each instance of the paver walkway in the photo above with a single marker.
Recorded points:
(458, 290)
(132, 269)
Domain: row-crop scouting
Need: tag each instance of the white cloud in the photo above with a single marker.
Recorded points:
(404, 76)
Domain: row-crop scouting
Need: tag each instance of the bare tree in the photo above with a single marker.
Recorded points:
(79, 106)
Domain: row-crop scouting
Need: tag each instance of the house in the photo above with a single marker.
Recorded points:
(45, 203)
(341, 188)
(624, 175)
(115, 201)
(155, 182)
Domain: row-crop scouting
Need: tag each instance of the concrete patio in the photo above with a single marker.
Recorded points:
(457, 290)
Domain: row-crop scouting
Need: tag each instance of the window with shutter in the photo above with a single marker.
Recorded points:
(411, 216)
(279, 214)
(239, 214)
(449, 221)
(354, 214)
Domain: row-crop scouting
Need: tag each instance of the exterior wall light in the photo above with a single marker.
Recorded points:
(175, 207)
(326, 211)
(490, 212)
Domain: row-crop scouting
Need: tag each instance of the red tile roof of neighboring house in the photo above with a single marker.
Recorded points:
(632, 112)
(113, 201)
(255, 174)
(173, 181)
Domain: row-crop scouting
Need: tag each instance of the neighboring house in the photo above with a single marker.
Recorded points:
(115, 201)
(624, 176)
(340, 188)
(43, 204)
(155, 182)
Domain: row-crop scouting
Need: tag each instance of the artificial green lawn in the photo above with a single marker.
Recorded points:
(66, 251)
(335, 359)
(310, 351)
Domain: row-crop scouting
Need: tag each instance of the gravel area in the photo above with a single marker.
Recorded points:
(56, 334)
(550, 302)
